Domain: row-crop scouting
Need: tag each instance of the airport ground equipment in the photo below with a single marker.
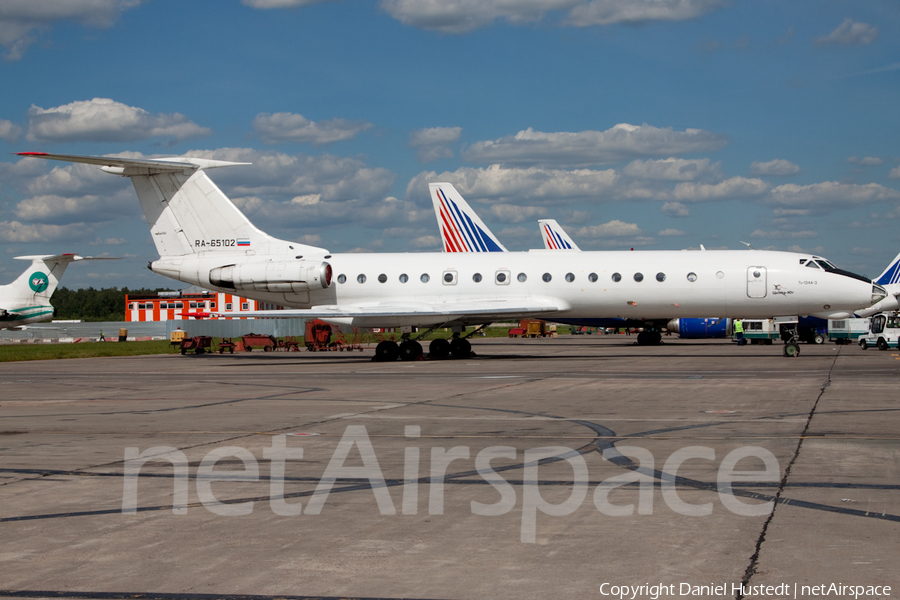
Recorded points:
(529, 328)
(317, 336)
(268, 342)
(198, 344)
(884, 332)
(289, 344)
(177, 336)
(226, 344)
(847, 331)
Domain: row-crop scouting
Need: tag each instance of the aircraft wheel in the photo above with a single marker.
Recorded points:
(439, 348)
(655, 338)
(863, 344)
(642, 338)
(882, 344)
(386, 351)
(819, 339)
(791, 350)
(460, 348)
(410, 350)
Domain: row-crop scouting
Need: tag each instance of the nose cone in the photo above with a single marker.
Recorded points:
(878, 293)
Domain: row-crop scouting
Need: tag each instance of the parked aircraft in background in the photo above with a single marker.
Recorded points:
(555, 237)
(27, 299)
(203, 239)
(890, 281)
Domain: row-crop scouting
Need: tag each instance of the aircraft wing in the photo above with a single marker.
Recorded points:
(454, 310)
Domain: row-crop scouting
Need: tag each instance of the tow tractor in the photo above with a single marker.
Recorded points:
(884, 332)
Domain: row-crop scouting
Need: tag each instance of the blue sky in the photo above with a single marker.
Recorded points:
(652, 124)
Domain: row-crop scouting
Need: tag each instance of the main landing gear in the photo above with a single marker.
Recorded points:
(649, 337)
(457, 347)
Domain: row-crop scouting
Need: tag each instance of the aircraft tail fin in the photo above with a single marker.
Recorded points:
(461, 228)
(186, 211)
(555, 237)
(891, 274)
(38, 282)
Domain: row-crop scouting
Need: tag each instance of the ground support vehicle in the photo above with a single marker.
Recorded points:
(198, 344)
(884, 332)
(847, 331)
(267, 342)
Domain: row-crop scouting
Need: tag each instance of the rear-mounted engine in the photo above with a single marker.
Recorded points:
(279, 276)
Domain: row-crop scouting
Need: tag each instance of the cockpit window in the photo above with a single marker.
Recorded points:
(826, 265)
(812, 264)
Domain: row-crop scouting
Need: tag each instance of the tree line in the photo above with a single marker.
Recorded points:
(89, 304)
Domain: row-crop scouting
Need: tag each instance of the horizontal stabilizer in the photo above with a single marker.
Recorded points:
(137, 166)
(62, 258)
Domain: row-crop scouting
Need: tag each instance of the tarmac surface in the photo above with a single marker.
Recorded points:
(464, 510)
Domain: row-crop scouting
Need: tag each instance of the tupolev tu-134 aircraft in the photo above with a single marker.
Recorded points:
(203, 239)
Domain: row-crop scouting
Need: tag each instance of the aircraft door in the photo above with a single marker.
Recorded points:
(756, 282)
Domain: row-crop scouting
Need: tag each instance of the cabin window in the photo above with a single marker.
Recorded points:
(547, 277)
(449, 277)
(342, 278)
(616, 277)
(639, 277)
(424, 278)
(593, 278)
(660, 277)
(404, 278)
(756, 274)
(570, 277)
(382, 278)
(476, 277)
(501, 277)
(361, 278)
(522, 277)
(692, 277)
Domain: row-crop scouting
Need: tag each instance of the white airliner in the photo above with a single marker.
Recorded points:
(556, 238)
(27, 299)
(203, 239)
(890, 281)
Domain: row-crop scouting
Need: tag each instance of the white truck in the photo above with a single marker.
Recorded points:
(884, 332)
(847, 331)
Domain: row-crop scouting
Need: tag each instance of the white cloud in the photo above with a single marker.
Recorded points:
(432, 143)
(673, 169)
(426, 242)
(614, 228)
(511, 213)
(775, 168)
(734, 187)
(19, 19)
(548, 186)
(290, 127)
(823, 197)
(461, 16)
(849, 33)
(783, 234)
(671, 233)
(104, 120)
(9, 131)
(866, 161)
(606, 12)
(894, 173)
(16, 232)
(619, 143)
(675, 209)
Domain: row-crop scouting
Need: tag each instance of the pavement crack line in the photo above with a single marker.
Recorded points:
(754, 558)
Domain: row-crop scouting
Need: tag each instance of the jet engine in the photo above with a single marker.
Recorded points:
(273, 276)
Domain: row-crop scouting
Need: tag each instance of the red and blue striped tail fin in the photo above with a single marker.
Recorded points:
(461, 228)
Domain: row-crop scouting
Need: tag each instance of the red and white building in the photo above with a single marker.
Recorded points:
(185, 305)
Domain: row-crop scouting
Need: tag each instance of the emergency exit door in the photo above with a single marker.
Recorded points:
(756, 282)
